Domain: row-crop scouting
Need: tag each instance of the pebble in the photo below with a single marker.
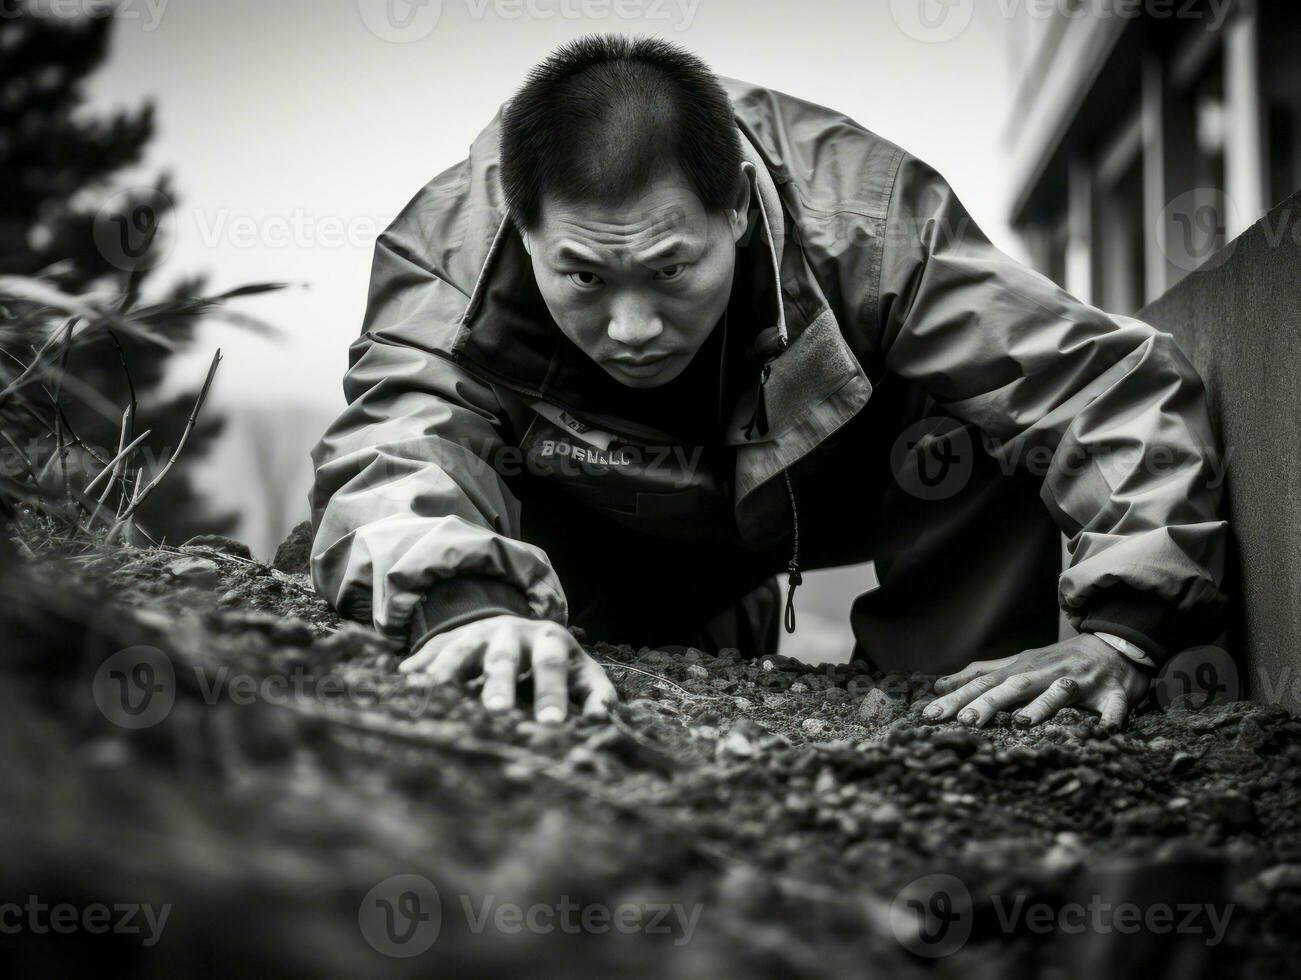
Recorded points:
(813, 726)
(697, 671)
(199, 572)
(218, 542)
(878, 708)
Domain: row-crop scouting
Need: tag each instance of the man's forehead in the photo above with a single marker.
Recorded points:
(657, 219)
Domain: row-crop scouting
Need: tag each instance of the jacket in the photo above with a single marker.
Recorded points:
(873, 267)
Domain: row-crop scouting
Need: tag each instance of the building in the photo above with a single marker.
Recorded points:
(1144, 134)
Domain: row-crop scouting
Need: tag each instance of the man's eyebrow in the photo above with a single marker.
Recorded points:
(667, 250)
(569, 254)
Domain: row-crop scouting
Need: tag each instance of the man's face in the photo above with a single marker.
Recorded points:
(639, 286)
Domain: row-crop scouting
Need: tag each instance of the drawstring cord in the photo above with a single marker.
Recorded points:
(794, 578)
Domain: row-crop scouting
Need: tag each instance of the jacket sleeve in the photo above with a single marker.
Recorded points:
(414, 529)
(1106, 409)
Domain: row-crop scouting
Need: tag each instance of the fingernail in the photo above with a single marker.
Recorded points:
(932, 712)
(550, 715)
(967, 717)
(1020, 719)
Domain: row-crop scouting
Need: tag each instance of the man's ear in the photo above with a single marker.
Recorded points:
(739, 214)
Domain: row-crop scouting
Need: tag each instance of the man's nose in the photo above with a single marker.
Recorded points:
(634, 323)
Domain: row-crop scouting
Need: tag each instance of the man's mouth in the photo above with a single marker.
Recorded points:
(641, 365)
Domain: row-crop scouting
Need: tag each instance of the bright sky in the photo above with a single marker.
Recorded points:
(296, 130)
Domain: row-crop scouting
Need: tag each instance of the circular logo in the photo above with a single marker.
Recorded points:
(1198, 678)
(932, 458)
(931, 916)
(135, 687)
(933, 21)
(401, 916)
(400, 21)
(135, 229)
(1194, 229)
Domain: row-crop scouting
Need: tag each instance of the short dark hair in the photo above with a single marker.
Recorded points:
(604, 114)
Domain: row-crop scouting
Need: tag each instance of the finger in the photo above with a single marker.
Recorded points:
(600, 693)
(500, 672)
(1060, 693)
(942, 709)
(455, 662)
(423, 657)
(977, 668)
(1114, 707)
(550, 657)
(1010, 692)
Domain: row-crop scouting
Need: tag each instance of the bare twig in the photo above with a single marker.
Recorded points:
(113, 463)
(139, 496)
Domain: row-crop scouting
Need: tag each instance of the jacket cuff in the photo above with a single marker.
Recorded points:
(1150, 624)
(456, 601)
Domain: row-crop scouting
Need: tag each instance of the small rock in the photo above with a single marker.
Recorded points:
(295, 552)
(942, 760)
(737, 745)
(799, 687)
(1251, 735)
(697, 671)
(201, 573)
(878, 708)
(218, 542)
(886, 818)
(1281, 876)
(813, 726)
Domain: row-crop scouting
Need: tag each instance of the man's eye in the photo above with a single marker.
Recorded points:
(670, 271)
(585, 280)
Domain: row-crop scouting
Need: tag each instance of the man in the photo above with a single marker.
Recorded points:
(663, 336)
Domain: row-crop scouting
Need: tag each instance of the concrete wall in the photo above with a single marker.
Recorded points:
(1239, 318)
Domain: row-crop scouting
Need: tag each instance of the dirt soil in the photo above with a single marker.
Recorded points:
(806, 816)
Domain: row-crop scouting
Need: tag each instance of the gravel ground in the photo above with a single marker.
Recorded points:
(758, 817)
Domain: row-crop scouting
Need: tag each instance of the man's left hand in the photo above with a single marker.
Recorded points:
(1083, 671)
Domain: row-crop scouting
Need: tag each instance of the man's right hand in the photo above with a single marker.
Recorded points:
(501, 648)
